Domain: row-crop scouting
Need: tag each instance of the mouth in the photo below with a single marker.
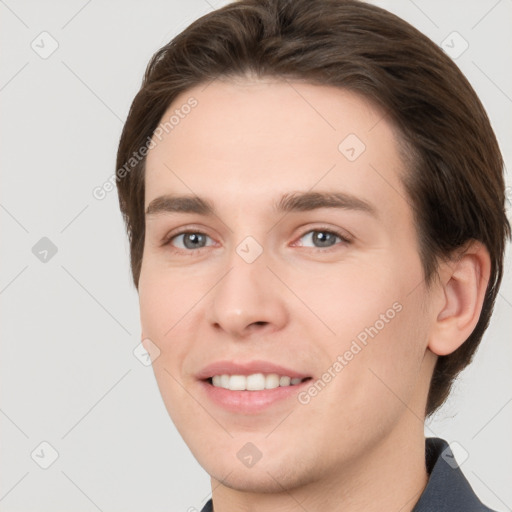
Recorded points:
(253, 394)
(250, 387)
(254, 381)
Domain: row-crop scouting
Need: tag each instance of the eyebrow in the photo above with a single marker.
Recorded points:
(291, 202)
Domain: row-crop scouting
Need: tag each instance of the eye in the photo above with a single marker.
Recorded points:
(323, 238)
(189, 240)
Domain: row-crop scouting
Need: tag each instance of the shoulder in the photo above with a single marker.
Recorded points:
(208, 507)
(447, 489)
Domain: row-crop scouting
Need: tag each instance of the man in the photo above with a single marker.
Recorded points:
(317, 228)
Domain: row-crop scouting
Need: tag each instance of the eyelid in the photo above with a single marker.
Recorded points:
(183, 230)
(344, 235)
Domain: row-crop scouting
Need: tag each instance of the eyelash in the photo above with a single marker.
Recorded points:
(344, 239)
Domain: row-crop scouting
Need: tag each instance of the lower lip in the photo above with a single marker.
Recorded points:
(250, 401)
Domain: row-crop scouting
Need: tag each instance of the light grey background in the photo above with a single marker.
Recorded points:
(70, 324)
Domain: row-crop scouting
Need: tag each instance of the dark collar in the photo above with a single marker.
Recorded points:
(447, 489)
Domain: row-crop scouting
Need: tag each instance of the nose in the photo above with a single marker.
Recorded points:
(248, 299)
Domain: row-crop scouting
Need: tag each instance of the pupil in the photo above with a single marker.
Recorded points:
(194, 238)
(322, 237)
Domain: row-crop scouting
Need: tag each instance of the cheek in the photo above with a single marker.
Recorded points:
(389, 365)
(380, 333)
(378, 376)
(164, 302)
(351, 298)
(171, 311)
(164, 299)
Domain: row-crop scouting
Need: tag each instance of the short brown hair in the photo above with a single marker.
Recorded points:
(455, 169)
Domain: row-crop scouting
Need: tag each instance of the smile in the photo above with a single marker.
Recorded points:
(254, 382)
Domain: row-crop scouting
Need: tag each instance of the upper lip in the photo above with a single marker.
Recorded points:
(247, 368)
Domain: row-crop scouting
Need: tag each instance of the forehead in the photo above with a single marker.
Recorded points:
(246, 139)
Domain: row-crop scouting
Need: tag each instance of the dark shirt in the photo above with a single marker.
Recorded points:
(447, 489)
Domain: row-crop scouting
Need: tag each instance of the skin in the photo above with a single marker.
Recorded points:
(299, 304)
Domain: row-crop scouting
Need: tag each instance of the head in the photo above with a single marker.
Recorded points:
(261, 100)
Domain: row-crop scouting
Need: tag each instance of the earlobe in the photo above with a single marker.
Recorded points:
(464, 283)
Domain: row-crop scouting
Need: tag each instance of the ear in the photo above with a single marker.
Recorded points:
(463, 282)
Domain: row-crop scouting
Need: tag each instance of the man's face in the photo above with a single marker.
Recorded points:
(331, 293)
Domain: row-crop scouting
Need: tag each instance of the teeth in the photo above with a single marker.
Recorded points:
(285, 381)
(253, 382)
(224, 381)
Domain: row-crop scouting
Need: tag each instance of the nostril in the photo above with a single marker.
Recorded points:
(259, 323)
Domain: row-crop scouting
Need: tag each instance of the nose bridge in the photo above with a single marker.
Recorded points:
(248, 293)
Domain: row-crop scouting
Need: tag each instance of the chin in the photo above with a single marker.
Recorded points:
(269, 477)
